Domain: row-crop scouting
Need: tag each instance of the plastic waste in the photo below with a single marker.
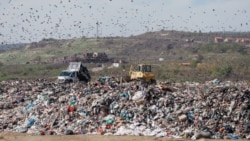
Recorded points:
(68, 132)
(82, 112)
(84, 131)
(232, 136)
(109, 121)
(149, 111)
(29, 106)
(72, 102)
(21, 129)
(29, 122)
(44, 96)
(137, 96)
(182, 118)
(190, 116)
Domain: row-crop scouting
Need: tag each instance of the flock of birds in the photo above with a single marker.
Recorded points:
(74, 18)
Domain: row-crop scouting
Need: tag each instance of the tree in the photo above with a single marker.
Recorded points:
(37, 58)
(1, 64)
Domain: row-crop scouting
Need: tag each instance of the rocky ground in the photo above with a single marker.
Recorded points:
(213, 110)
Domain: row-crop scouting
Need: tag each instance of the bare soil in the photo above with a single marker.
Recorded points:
(10, 136)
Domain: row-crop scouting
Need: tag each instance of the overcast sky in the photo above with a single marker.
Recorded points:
(33, 20)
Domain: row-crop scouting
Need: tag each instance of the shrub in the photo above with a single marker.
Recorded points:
(221, 48)
(109, 41)
(37, 58)
(1, 64)
(222, 71)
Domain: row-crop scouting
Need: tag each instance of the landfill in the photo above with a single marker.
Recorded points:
(214, 109)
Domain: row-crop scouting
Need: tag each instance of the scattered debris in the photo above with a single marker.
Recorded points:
(215, 109)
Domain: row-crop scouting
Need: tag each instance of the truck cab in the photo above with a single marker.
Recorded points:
(67, 76)
(75, 72)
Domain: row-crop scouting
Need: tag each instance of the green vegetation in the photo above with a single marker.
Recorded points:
(220, 48)
(29, 71)
(221, 71)
(168, 72)
(202, 61)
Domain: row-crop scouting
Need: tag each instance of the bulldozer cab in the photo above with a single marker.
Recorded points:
(144, 68)
(142, 72)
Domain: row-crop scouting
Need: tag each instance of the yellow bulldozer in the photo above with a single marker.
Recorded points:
(141, 72)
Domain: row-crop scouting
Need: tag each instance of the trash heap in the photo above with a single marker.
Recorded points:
(215, 109)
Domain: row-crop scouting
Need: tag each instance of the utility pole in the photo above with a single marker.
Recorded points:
(97, 25)
(122, 26)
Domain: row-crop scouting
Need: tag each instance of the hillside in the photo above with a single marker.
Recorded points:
(185, 56)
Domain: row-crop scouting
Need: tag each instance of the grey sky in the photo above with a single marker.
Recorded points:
(33, 20)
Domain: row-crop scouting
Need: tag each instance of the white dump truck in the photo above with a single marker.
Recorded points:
(76, 71)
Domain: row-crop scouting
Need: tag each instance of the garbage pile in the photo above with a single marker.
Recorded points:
(215, 109)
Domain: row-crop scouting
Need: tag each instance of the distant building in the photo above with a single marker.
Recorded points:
(238, 40)
(246, 40)
(161, 59)
(164, 34)
(185, 64)
(189, 40)
(218, 39)
(116, 65)
(243, 40)
(228, 40)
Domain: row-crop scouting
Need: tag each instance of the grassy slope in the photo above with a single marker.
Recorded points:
(134, 50)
